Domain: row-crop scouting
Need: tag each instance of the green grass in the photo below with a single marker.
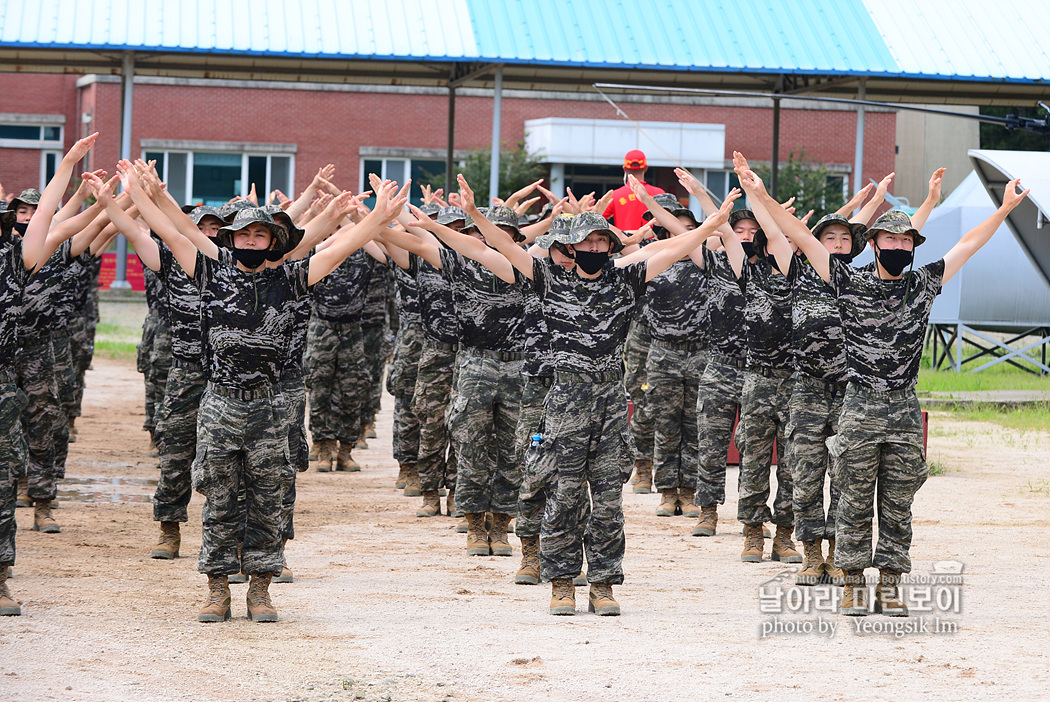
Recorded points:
(119, 329)
(1001, 377)
(1028, 418)
(118, 350)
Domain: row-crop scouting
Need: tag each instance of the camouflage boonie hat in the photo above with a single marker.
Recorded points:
(253, 215)
(29, 196)
(737, 215)
(199, 212)
(559, 232)
(670, 203)
(282, 218)
(587, 222)
(468, 221)
(228, 211)
(895, 222)
(448, 215)
(544, 212)
(505, 217)
(430, 209)
(856, 229)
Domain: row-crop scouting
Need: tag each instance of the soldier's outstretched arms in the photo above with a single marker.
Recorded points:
(868, 211)
(933, 198)
(182, 248)
(776, 243)
(494, 260)
(977, 237)
(682, 244)
(856, 201)
(145, 247)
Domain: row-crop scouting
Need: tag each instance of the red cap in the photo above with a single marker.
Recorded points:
(634, 160)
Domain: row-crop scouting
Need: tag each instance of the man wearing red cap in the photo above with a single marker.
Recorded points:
(625, 208)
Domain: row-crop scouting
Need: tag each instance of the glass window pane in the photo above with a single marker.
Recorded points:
(52, 133)
(257, 175)
(216, 177)
(178, 177)
(19, 131)
(716, 182)
(395, 170)
(372, 165)
(157, 156)
(280, 175)
(430, 173)
(50, 165)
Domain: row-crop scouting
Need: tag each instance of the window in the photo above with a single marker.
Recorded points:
(213, 177)
(421, 171)
(21, 136)
(49, 161)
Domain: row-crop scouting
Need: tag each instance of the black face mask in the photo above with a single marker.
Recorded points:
(21, 227)
(590, 262)
(274, 255)
(660, 232)
(772, 261)
(843, 257)
(250, 258)
(749, 248)
(895, 260)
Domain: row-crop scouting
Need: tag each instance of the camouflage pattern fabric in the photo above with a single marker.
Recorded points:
(65, 377)
(767, 316)
(483, 421)
(879, 453)
(725, 306)
(157, 372)
(676, 303)
(145, 345)
(431, 402)
(370, 382)
(636, 356)
(763, 419)
(335, 352)
(401, 383)
(674, 382)
(717, 405)
(294, 391)
(490, 312)
(816, 326)
(585, 430)
(14, 457)
(176, 437)
(813, 418)
(41, 416)
(242, 444)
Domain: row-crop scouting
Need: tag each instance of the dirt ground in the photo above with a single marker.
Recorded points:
(386, 606)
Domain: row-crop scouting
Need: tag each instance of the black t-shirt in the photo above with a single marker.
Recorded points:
(436, 309)
(816, 326)
(406, 294)
(184, 308)
(340, 296)
(725, 306)
(42, 294)
(676, 304)
(490, 312)
(884, 334)
(767, 316)
(249, 319)
(13, 278)
(587, 319)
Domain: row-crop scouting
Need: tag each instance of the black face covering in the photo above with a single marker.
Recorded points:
(216, 240)
(590, 262)
(749, 248)
(250, 258)
(21, 227)
(274, 255)
(660, 232)
(894, 260)
(843, 257)
(772, 261)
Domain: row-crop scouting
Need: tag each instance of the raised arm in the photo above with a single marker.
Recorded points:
(72, 205)
(933, 198)
(977, 237)
(182, 248)
(468, 245)
(302, 203)
(681, 245)
(868, 211)
(145, 246)
(500, 240)
(695, 188)
(776, 243)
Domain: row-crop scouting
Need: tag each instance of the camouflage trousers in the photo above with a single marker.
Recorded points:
(588, 446)
(156, 374)
(717, 405)
(242, 444)
(14, 457)
(65, 376)
(483, 420)
(431, 401)
(371, 379)
(82, 343)
(294, 390)
(636, 354)
(176, 437)
(763, 421)
(42, 415)
(674, 380)
(881, 465)
(813, 418)
(333, 376)
(401, 383)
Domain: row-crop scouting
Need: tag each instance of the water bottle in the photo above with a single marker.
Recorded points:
(536, 440)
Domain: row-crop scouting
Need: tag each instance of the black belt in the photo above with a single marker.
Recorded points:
(771, 372)
(606, 377)
(494, 355)
(35, 342)
(903, 394)
(242, 394)
(832, 386)
(186, 365)
(440, 345)
(729, 360)
(680, 345)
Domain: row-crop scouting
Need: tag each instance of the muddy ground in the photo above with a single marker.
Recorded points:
(386, 606)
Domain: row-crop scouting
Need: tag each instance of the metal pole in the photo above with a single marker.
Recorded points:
(127, 71)
(497, 114)
(449, 177)
(858, 156)
(774, 171)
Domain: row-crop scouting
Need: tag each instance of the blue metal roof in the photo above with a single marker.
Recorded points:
(935, 39)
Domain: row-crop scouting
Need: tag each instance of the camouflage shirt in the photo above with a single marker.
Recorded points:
(13, 278)
(156, 295)
(340, 297)
(379, 284)
(301, 311)
(587, 319)
(184, 308)
(676, 304)
(537, 340)
(820, 349)
(767, 316)
(490, 313)
(248, 319)
(436, 309)
(884, 336)
(42, 293)
(725, 306)
(406, 292)
(88, 283)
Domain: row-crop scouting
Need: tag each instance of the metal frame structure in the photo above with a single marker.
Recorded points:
(947, 347)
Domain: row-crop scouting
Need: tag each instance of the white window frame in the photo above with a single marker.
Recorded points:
(245, 185)
(41, 143)
(44, 153)
(384, 159)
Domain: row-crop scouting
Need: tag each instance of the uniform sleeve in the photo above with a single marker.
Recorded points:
(933, 274)
(841, 276)
(541, 276)
(205, 270)
(298, 275)
(450, 263)
(635, 275)
(794, 270)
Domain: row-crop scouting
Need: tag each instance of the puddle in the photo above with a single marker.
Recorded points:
(100, 489)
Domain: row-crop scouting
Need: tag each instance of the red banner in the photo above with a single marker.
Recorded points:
(109, 272)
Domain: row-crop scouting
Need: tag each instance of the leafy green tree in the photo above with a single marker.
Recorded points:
(995, 136)
(517, 168)
(812, 184)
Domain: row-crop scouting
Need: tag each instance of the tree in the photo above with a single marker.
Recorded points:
(812, 184)
(995, 136)
(517, 168)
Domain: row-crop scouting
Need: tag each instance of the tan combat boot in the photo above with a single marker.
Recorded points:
(854, 594)
(23, 499)
(450, 505)
(170, 540)
(708, 522)
(42, 519)
(72, 430)
(344, 461)
(668, 503)
(477, 535)
(286, 575)
(886, 596)
(580, 580)
(313, 451)
(8, 606)
(686, 496)
(217, 608)
(369, 430)
(602, 602)
(362, 443)
(563, 597)
(644, 470)
(402, 477)
(833, 573)
(754, 544)
(260, 609)
(412, 486)
(529, 572)
(431, 504)
(784, 548)
(812, 565)
(152, 451)
(324, 455)
(498, 539)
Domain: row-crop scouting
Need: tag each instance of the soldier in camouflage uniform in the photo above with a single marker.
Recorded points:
(401, 378)
(154, 352)
(636, 357)
(884, 310)
(374, 325)
(82, 334)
